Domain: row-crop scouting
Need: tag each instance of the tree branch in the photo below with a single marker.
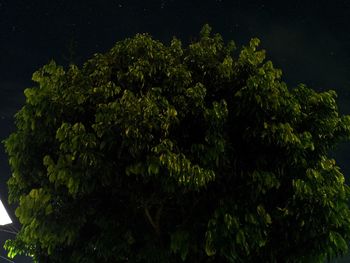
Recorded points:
(155, 224)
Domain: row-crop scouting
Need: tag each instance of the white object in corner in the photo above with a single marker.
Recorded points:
(4, 216)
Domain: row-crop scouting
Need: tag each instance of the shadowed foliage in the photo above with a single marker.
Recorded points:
(155, 153)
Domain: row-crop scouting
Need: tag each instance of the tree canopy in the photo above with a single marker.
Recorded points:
(164, 153)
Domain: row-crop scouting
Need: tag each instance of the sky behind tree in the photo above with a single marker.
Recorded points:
(308, 40)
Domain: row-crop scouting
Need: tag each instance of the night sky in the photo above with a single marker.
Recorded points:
(308, 40)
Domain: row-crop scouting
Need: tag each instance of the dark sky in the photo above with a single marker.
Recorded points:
(308, 40)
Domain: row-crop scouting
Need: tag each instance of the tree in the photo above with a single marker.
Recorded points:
(155, 153)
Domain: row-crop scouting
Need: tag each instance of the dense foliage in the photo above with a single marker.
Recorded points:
(155, 153)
